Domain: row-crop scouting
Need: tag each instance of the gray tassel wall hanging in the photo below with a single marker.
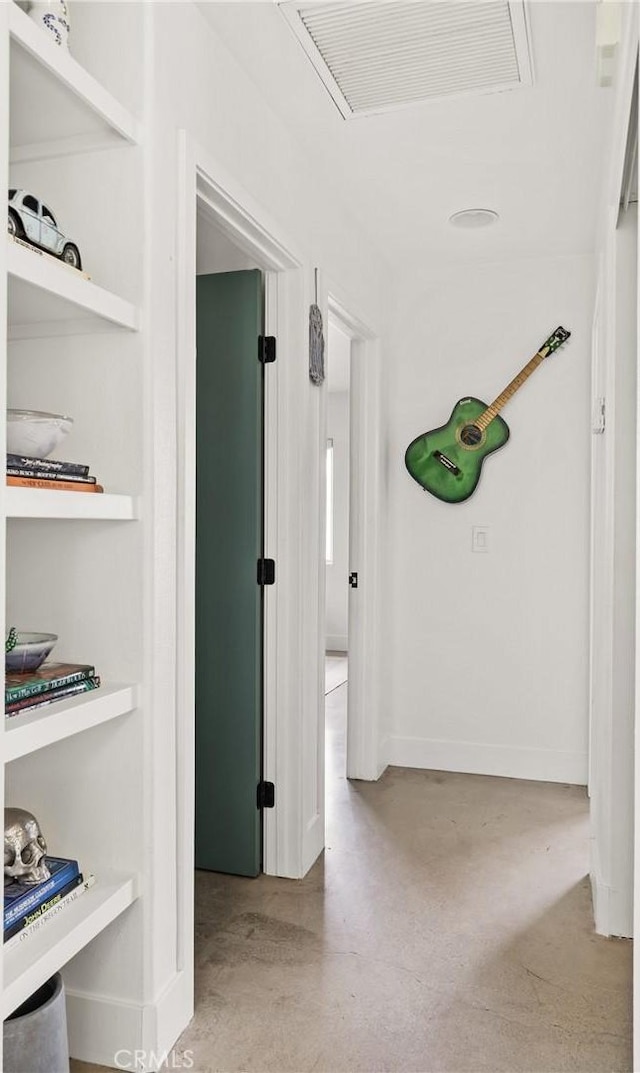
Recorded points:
(316, 340)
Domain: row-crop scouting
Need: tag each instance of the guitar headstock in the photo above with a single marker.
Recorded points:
(554, 341)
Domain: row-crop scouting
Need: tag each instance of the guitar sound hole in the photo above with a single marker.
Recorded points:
(471, 435)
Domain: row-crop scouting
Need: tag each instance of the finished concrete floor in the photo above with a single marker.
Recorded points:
(447, 928)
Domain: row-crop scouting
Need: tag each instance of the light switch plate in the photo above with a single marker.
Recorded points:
(480, 538)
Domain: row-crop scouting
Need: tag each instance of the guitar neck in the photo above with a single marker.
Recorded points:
(492, 411)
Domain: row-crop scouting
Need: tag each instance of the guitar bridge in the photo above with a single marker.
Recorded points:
(448, 463)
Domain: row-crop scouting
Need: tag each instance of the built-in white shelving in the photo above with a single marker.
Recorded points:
(59, 111)
(28, 965)
(44, 291)
(80, 113)
(42, 503)
(44, 726)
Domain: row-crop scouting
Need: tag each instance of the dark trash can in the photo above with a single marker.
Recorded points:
(35, 1035)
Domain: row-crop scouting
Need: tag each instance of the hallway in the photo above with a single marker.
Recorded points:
(446, 929)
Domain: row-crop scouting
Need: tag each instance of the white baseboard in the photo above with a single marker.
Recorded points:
(336, 643)
(99, 1028)
(117, 1034)
(475, 758)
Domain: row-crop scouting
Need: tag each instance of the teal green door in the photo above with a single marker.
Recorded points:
(229, 536)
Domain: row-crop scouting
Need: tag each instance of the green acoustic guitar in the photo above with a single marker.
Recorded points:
(448, 460)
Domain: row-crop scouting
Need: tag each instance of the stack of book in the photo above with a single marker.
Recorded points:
(50, 473)
(28, 907)
(51, 682)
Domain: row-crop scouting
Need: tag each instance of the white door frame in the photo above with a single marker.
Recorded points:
(365, 753)
(205, 186)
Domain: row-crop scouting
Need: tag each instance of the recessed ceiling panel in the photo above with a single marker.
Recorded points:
(379, 56)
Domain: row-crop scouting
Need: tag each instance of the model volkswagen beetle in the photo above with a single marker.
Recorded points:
(32, 221)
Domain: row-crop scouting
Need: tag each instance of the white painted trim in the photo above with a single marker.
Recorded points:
(601, 660)
(365, 519)
(478, 758)
(604, 674)
(611, 853)
(94, 1022)
(349, 321)
(612, 907)
(4, 171)
(163, 1020)
(241, 217)
(185, 559)
(270, 758)
(365, 477)
(205, 186)
(611, 672)
(312, 574)
(626, 54)
(598, 390)
(337, 643)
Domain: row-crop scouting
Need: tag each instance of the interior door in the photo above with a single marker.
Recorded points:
(229, 540)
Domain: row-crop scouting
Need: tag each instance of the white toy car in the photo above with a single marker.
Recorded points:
(32, 221)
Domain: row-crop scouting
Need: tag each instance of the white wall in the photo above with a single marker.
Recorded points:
(223, 112)
(337, 603)
(216, 253)
(485, 655)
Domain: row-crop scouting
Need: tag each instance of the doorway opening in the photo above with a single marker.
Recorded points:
(229, 591)
(337, 550)
(353, 528)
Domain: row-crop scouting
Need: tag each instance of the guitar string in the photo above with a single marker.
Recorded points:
(492, 411)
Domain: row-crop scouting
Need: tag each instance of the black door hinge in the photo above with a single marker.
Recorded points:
(266, 348)
(266, 571)
(266, 795)
(353, 580)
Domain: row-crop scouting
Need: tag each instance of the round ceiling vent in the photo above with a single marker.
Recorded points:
(471, 218)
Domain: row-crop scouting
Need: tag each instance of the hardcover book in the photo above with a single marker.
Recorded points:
(20, 898)
(38, 911)
(27, 704)
(49, 676)
(60, 485)
(46, 475)
(50, 465)
(26, 933)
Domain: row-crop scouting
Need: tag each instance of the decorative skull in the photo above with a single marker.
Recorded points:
(24, 848)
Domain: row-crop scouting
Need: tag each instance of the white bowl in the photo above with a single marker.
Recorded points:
(29, 651)
(34, 433)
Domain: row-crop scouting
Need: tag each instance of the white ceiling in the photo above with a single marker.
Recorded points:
(533, 154)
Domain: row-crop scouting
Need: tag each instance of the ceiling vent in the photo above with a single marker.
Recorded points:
(375, 57)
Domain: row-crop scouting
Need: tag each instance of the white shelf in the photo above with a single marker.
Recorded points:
(34, 730)
(46, 292)
(45, 503)
(75, 112)
(29, 964)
